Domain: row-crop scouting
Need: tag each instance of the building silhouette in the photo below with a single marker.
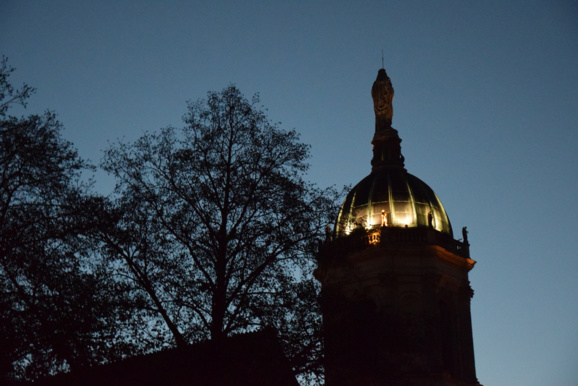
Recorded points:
(252, 359)
(395, 290)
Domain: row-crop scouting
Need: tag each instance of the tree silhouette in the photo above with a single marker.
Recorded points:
(211, 231)
(215, 227)
(54, 309)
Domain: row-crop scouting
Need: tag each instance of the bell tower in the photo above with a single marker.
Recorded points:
(395, 291)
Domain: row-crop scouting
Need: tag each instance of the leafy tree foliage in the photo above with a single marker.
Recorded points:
(52, 313)
(215, 227)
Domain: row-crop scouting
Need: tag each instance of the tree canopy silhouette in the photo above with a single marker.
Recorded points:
(211, 231)
(215, 227)
(55, 312)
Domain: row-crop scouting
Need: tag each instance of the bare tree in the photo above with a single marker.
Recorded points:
(216, 227)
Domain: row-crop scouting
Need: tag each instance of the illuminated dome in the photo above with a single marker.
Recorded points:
(390, 196)
(393, 198)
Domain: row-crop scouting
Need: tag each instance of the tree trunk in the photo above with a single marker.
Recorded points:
(219, 298)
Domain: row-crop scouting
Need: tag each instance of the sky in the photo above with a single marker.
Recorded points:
(486, 103)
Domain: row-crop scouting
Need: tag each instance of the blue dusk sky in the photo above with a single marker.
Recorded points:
(486, 102)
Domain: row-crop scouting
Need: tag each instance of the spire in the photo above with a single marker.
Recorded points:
(386, 142)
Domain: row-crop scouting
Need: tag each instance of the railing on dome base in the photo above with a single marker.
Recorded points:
(390, 236)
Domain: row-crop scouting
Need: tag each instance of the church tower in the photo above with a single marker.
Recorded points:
(395, 291)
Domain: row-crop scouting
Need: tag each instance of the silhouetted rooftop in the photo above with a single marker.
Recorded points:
(249, 359)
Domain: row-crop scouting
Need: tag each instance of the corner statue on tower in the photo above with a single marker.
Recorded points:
(382, 94)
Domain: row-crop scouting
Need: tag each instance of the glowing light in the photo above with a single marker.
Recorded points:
(369, 222)
(374, 238)
(403, 220)
(348, 229)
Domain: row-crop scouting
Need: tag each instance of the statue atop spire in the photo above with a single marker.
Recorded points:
(386, 141)
(382, 94)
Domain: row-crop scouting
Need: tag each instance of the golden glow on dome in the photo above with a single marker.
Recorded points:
(392, 198)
